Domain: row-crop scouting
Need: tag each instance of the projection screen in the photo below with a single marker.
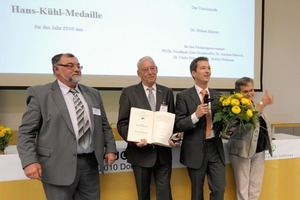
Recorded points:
(109, 37)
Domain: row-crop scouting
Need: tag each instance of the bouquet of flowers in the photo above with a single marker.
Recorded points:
(5, 135)
(235, 110)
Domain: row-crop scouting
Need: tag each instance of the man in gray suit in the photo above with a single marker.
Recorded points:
(202, 149)
(146, 158)
(59, 146)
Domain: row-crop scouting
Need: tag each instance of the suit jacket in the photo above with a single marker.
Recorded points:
(193, 143)
(243, 142)
(134, 96)
(46, 133)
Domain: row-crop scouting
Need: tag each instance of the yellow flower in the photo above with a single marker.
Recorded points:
(5, 131)
(8, 131)
(246, 101)
(221, 99)
(236, 109)
(235, 102)
(249, 113)
(5, 135)
(226, 102)
(2, 133)
(238, 95)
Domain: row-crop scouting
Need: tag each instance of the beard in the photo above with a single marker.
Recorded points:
(75, 78)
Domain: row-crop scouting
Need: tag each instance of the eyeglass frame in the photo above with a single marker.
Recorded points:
(146, 69)
(70, 66)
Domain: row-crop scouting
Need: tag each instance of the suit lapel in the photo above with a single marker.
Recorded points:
(213, 95)
(159, 97)
(61, 104)
(142, 95)
(195, 96)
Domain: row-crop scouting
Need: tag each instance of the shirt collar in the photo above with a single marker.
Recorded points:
(65, 89)
(199, 89)
(146, 87)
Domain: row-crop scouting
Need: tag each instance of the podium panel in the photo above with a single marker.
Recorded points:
(281, 178)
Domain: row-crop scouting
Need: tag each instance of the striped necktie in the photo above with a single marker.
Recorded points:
(151, 98)
(84, 136)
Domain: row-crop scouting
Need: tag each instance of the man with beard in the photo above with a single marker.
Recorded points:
(65, 133)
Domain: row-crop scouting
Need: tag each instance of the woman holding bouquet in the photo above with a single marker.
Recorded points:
(247, 146)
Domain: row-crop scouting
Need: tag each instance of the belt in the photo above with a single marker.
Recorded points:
(85, 155)
(210, 140)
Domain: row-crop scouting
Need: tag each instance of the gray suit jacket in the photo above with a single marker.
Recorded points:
(46, 133)
(134, 96)
(192, 148)
(243, 142)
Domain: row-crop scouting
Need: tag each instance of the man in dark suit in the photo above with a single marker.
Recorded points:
(202, 149)
(146, 158)
(53, 146)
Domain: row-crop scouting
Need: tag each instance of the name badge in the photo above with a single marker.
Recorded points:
(96, 111)
(163, 107)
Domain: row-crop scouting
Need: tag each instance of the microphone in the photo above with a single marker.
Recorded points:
(207, 99)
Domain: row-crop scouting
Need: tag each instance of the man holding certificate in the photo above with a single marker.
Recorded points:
(144, 157)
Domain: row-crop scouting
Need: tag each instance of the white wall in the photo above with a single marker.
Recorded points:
(281, 75)
(281, 59)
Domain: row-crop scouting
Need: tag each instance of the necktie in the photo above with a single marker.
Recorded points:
(84, 136)
(151, 98)
(207, 116)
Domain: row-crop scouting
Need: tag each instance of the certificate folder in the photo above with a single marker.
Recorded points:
(154, 126)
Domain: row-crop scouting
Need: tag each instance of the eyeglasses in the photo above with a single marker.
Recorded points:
(146, 69)
(70, 66)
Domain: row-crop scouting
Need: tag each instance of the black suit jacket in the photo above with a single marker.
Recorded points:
(192, 149)
(134, 96)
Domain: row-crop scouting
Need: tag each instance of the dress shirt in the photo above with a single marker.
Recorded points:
(68, 96)
(147, 91)
(193, 116)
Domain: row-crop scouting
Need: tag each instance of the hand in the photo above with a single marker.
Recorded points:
(142, 143)
(110, 158)
(175, 140)
(33, 171)
(201, 110)
(267, 99)
(231, 130)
